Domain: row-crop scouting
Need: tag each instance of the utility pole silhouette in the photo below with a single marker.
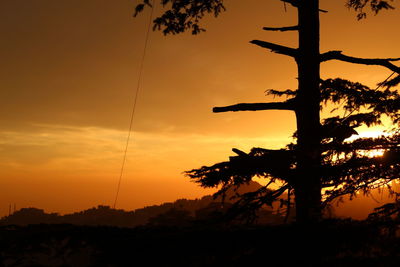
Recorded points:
(12, 208)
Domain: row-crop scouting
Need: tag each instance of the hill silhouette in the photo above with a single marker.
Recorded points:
(179, 212)
(32, 237)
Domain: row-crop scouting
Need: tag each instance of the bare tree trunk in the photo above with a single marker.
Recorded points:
(308, 184)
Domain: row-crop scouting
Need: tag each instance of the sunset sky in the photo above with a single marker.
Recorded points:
(68, 76)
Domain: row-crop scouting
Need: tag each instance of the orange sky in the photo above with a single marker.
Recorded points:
(68, 74)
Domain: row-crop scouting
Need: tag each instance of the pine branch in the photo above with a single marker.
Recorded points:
(391, 83)
(287, 105)
(182, 15)
(279, 49)
(380, 142)
(384, 62)
(282, 29)
(376, 6)
(366, 180)
(287, 92)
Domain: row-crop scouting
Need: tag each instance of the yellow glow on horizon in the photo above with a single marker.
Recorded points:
(375, 153)
(372, 132)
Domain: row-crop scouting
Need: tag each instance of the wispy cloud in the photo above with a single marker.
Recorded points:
(52, 146)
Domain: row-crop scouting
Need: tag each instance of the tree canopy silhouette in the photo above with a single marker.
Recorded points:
(322, 164)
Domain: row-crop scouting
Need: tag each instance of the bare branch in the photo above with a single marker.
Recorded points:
(292, 2)
(280, 49)
(385, 62)
(287, 105)
(282, 29)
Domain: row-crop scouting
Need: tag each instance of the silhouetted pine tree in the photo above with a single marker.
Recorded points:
(320, 160)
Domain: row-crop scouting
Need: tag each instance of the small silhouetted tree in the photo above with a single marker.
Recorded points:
(320, 166)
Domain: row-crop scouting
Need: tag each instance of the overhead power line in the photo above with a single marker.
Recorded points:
(376, 89)
(138, 85)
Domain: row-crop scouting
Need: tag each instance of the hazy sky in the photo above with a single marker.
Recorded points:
(68, 75)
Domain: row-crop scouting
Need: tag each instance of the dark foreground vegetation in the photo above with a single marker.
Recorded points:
(330, 243)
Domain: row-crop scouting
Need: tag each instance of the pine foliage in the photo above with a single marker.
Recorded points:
(375, 5)
(183, 15)
(347, 168)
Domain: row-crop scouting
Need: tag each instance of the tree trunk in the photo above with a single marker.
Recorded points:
(308, 184)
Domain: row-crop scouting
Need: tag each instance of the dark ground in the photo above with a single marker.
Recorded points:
(331, 243)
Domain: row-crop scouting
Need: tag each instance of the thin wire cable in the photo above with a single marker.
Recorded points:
(134, 105)
(376, 89)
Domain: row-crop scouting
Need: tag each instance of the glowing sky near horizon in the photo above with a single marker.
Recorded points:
(68, 76)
